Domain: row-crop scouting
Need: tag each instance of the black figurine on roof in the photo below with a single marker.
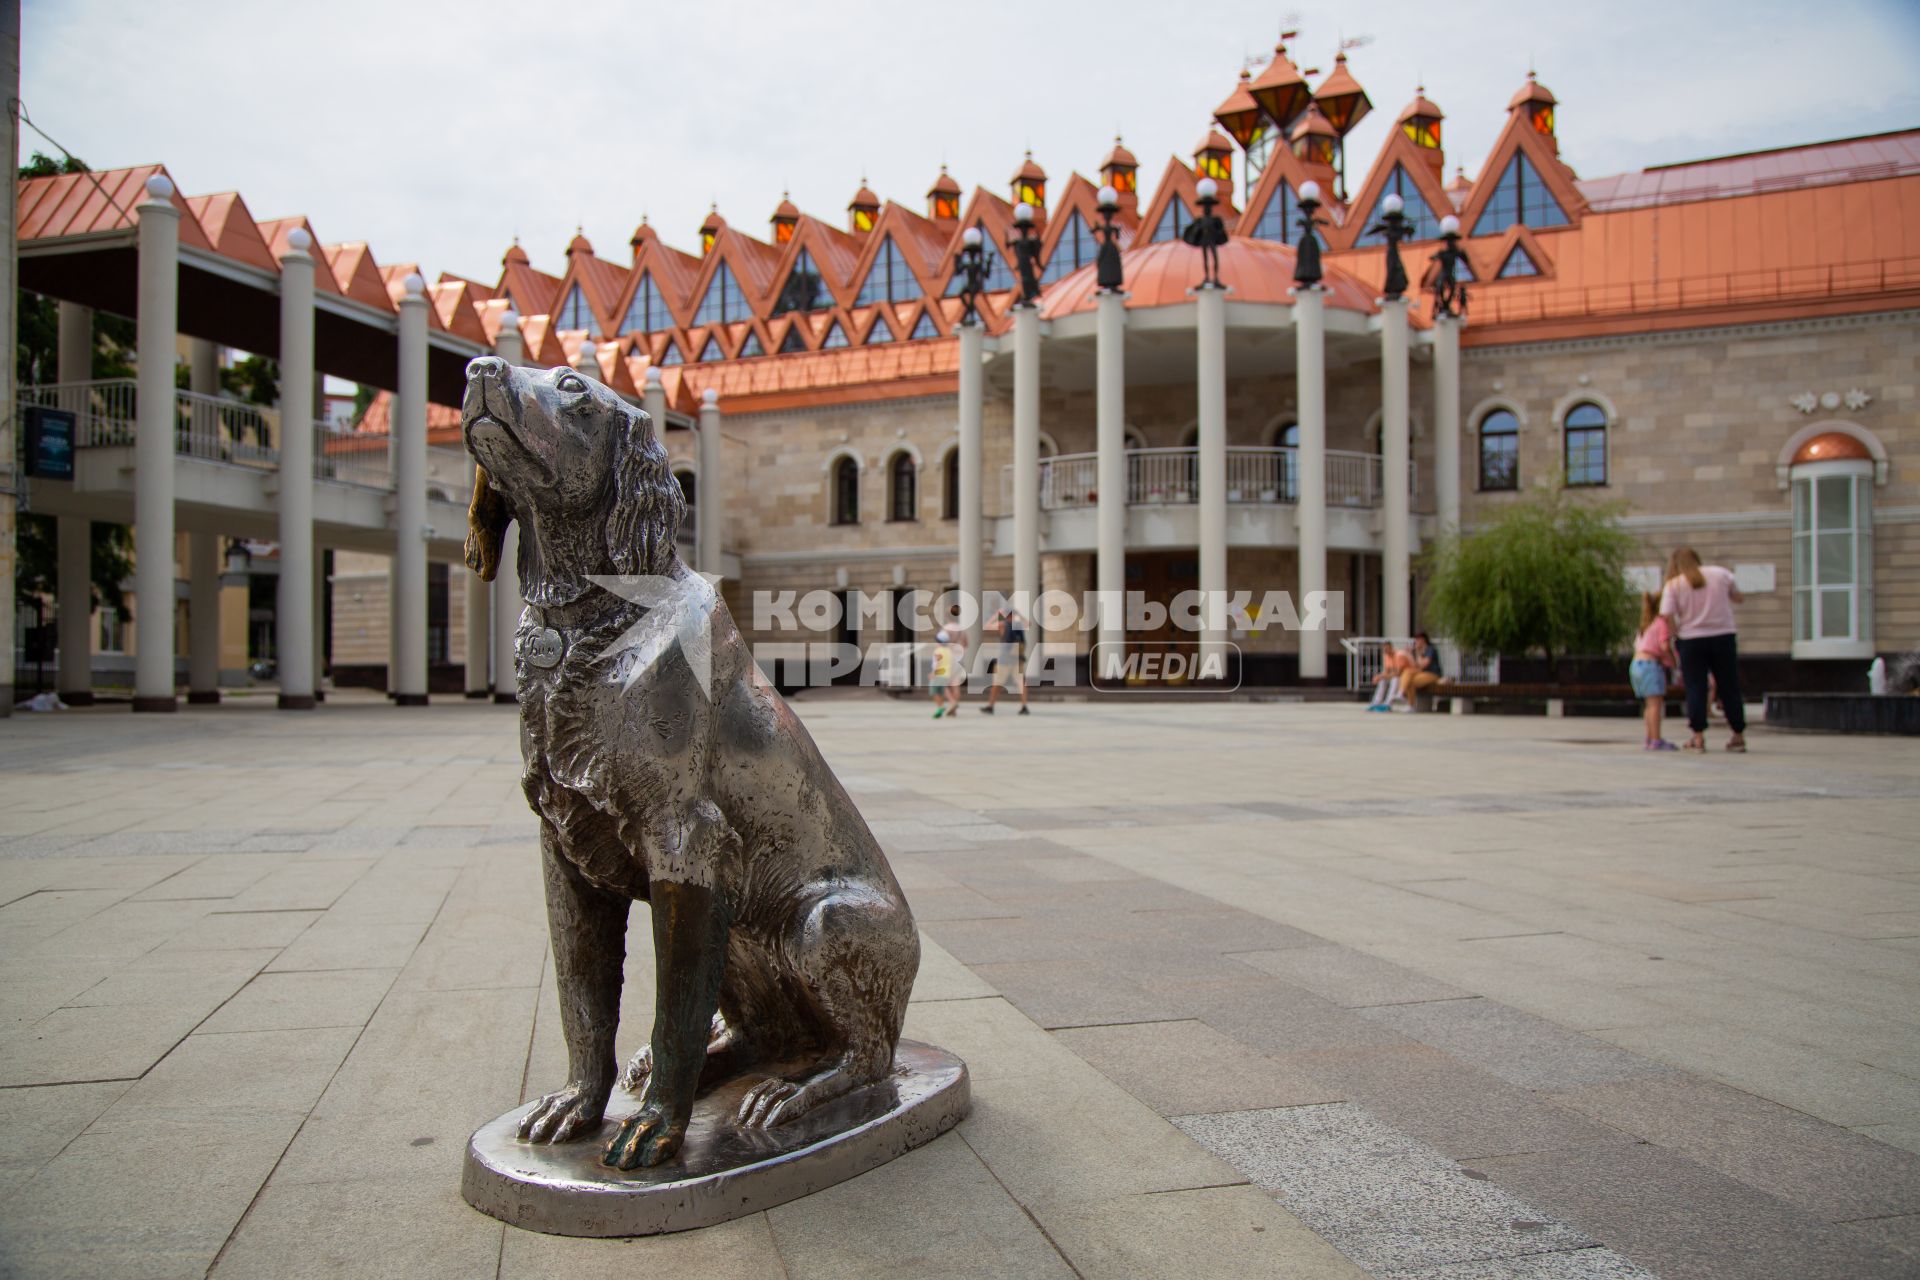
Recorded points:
(1393, 228)
(1306, 259)
(973, 274)
(1449, 293)
(1025, 247)
(1207, 233)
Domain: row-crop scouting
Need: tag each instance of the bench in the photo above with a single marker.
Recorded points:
(1556, 696)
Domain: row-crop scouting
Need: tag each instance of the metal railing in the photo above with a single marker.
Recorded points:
(1733, 288)
(345, 456)
(1172, 477)
(210, 427)
(102, 408)
(1364, 654)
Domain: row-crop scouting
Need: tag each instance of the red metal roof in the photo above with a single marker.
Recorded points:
(1886, 155)
(1163, 274)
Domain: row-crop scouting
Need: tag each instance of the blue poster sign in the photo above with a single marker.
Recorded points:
(49, 442)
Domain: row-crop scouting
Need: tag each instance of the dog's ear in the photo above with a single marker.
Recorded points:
(647, 507)
(488, 516)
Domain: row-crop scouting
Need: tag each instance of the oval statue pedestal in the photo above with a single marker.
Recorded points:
(722, 1172)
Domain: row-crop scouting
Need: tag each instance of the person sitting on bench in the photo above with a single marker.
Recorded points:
(1386, 689)
(1422, 671)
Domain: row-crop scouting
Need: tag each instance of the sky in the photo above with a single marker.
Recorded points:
(438, 131)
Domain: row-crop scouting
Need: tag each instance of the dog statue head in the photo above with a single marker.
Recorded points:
(563, 454)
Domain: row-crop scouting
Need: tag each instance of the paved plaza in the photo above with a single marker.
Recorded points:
(1250, 989)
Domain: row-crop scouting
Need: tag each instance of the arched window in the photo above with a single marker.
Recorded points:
(846, 491)
(1832, 485)
(1499, 451)
(902, 477)
(1584, 447)
(950, 486)
(690, 494)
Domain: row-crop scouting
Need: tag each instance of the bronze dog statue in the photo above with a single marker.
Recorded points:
(782, 943)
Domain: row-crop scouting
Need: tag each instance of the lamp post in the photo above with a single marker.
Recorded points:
(1207, 233)
(1107, 273)
(1025, 247)
(1449, 295)
(1110, 437)
(1306, 263)
(1310, 363)
(1393, 226)
(973, 271)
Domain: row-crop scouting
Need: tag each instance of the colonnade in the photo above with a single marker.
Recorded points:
(1210, 385)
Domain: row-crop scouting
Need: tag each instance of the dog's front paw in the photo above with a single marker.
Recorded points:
(648, 1137)
(565, 1114)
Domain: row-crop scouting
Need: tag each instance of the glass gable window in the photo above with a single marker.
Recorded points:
(1833, 559)
(1074, 249)
(880, 332)
(1585, 432)
(793, 341)
(1499, 451)
(647, 311)
(835, 338)
(1173, 220)
(925, 327)
(723, 300)
(574, 312)
(751, 347)
(1520, 197)
(711, 352)
(888, 279)
(1420, 216)
(1519, 263)
(672, 355)
(999, 275)
(805, 289)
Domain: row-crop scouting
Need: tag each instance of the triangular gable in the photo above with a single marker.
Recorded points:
(1423, 218)
(670, 354)
(878, 330)
(920, 243)
(887, 277)
(1162, 220)
(835, 337)
(710, 350)
(353, 266)
(720, 297)
(543, 344)
(794, 339)
(1399, 155)
(231, 230)
(835, 255)
(452, 302)
(750, 347)
(994, 217)
(574, 311)
(753, 261)
(1522, 182)
(1273, 211)
(477, 290)
(924, 327)
(1517, 255)
(646, 307)
(1074, 246)
(673, 274)
(803, 287)
(275, 231)
(533, 291)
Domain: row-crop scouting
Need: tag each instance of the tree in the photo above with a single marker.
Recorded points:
(1547, 576)
(109, 562)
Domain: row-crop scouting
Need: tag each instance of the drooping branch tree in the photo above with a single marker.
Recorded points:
(1547, 575)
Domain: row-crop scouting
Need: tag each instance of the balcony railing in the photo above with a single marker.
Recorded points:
(1172, 477)
(216, 429)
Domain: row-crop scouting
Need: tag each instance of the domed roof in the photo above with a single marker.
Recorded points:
(1029, 171)
(514, 254)
(1119, 156)
(864, 198)
(944, 185)
(579, 244)
(1312, 121)
(714, 221)
(1420, 107)
(1341, 97)
(1160, 275)
(786, 210)
(1531, 91)
(1831, 446)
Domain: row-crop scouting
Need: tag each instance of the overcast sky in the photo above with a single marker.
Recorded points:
(437, 130)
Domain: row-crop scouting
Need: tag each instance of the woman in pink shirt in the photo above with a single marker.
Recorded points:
(1697, 603)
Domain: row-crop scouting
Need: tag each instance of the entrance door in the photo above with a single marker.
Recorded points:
(1159, 576)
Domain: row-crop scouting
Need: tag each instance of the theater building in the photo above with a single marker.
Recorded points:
(1727, 346)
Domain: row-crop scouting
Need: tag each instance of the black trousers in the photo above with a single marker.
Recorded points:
(1720, 656)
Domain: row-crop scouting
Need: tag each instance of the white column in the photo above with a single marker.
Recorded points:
(410, 500)
(1210, 395)
(293, 607)
(1110, 475)
(74, 609)
(1310, 346)
(203, 366)
(74, 534)
(203, 618)
(9, 329)
(507, 605)
(479, 621)
(1395, 452)
(320, 623)
(158, 311)
(968, 459)
(710, 493)
(1026, 460)
(1446, 420)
